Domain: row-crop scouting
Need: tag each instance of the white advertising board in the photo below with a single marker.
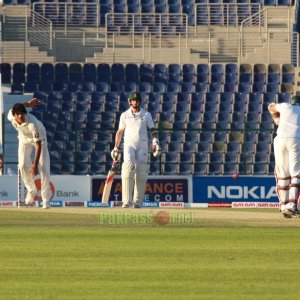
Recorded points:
(63, 187)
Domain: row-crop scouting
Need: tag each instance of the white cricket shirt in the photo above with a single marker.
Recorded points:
(289, 124)
(135, 126)
(31, 131)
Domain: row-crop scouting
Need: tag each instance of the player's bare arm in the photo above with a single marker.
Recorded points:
(33, 102)
(274, 113)
(34, 168)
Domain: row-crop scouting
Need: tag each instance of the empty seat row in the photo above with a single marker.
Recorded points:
(75, 72)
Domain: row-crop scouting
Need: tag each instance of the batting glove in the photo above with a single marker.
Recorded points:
(156, 147)
(115, 153)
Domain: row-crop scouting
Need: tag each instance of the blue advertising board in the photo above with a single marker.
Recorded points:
(158, 189)
(226, 189)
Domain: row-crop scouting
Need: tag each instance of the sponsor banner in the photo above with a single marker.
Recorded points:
(196, 205)
(8, 188)
(52, 203)
(212, 189)
(150, 204)
(56, 203)
(158, 189)
(115, 203)
(63, 188)
(74, 204)
(8, 203)
(171, 204)
(255, 205)
(219, 204)
(96, 204)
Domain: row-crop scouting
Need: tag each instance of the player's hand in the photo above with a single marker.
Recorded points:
(156, 147)
(33, 102)
(115, 153)
(33, 171)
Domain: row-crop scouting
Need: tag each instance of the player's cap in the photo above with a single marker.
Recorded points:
(135, 96)
(295, 100)
(19, 108)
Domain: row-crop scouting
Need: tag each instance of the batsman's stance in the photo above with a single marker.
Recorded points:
(31, 133)
(287, 155)
(134, 123)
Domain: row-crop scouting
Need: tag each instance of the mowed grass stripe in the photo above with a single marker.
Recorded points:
(40, 260)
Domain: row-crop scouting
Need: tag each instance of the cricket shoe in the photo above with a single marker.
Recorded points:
(29, 199)
(46, 205)
(290, 210)
(137, 205)
(126, 205)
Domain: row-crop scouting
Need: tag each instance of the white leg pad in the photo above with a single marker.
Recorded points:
(140, 183)
(128, 171)
(295, 191)
(282, 187)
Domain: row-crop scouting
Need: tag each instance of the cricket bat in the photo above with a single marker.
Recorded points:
(108, 182)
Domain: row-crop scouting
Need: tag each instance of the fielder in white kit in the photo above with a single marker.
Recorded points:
(31, 134)
(135, 123)
(287, 155)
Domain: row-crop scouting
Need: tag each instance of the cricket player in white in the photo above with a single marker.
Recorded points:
(135, 123)
(287, 154)
(32, 133)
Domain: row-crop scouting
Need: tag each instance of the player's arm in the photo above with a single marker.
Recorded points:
(32, 102)
(34, 168)
(274, 112)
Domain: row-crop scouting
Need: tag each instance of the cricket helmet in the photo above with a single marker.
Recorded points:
(19, 108)
(135, 96)
(295, 100)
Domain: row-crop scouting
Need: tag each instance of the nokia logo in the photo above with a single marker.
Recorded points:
(241, 192)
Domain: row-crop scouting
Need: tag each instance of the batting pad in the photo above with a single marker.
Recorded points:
(295, 191)
(128, 171)
(283, 186)
(141, 177)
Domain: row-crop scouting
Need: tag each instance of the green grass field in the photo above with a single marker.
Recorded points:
(52, 255)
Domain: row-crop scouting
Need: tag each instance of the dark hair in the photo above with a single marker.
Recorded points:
(19, 108)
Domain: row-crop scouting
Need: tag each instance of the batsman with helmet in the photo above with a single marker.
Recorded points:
(287, 155)
(134, 124)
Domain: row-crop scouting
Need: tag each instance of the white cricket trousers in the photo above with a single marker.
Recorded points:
(287, 157)
(25, 163)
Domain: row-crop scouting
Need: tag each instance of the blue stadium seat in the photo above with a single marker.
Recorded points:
(194, 116)
(75, 73)
(132, 73)
(117, 73)
(89, 73)
(215, 169)
(146, 73)
(33, 73)
(18, 73)
(102, 87)
(130, 87)
(30, 87)
(288, 73)
(47, 72)
(188, 73)
(103, 73)
(6, 73)
(145, 87)
(193, 137)
(61, 73)
(88, 86)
